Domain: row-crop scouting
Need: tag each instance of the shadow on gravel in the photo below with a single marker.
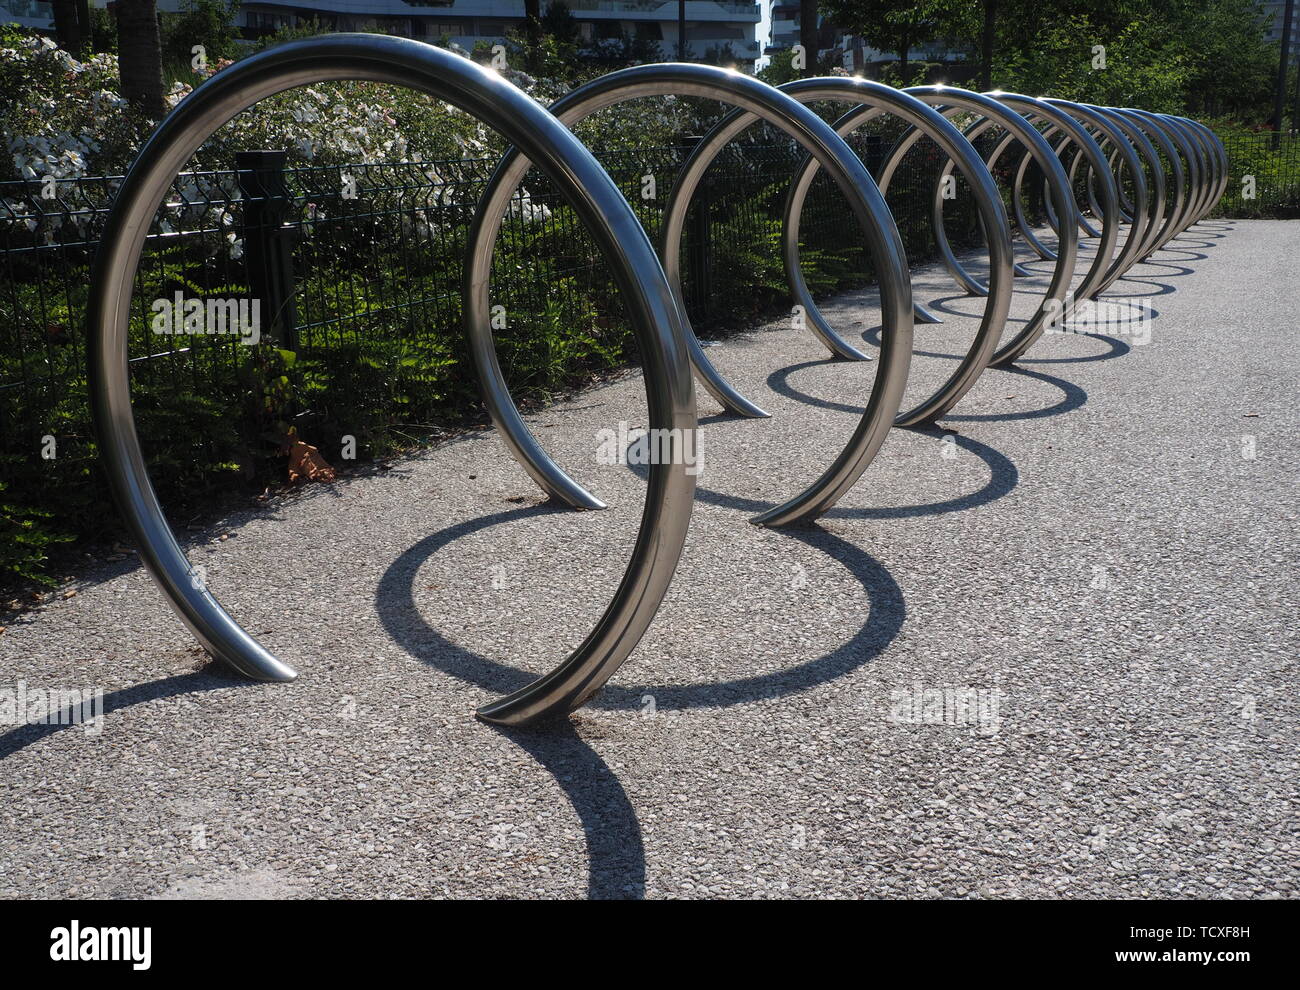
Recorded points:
(1003, 477)
(1114, 346)
(397, 610)
(1174, 271)
(884, 620)
(615, 851)
(1075, 396)
(208, 679)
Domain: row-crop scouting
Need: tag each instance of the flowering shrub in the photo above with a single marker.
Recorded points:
(60, 116)
(378, 276)
(63, 118)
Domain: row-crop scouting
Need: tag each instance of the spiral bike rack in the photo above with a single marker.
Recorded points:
(1195, 157)
(758, 100)
(873, 100)
(654, 312)
(1177, 170)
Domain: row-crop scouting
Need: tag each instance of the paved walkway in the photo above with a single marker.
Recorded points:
(1051, 653)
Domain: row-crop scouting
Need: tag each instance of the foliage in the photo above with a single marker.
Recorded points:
(893, 26)
(213, 420)
(59, 115)
(210, 23)
(1274, 164)
(1203, 57)
(25, 538)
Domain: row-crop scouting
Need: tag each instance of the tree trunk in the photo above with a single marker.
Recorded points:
(533, 20)
(1279, 97)
(83, 22)
(1295, 110)
(808, 35)
(139, 55)
(986, 45)
(67, 27)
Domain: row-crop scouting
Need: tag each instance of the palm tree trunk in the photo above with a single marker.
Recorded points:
(139, 55)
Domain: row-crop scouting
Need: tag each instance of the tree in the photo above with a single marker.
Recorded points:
(893, 26)
(1284, 56)
(139, 53)
(988, 32)
(210, 23)
(1230, 64)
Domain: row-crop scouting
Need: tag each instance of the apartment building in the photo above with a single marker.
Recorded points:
(852, 52)
(1275, 10)
(710, 24)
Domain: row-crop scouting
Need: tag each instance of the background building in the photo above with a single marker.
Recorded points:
(847, 50)
(1276, 10)
(710, 24)
(27, 13)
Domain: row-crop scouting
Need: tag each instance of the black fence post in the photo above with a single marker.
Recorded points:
(268, 243)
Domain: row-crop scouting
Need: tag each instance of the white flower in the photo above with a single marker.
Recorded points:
(525, 209)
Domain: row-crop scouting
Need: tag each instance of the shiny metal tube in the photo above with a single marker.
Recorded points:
(1159, 205)
(653, 308)
(1129, 160)
(1178, 169)
(1177, 176)
(866, 202)
(871, 100)
(1076, 159)
(1058, 121)
(877, 99)
(1057, 302)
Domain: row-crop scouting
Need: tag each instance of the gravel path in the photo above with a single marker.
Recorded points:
(1049, 653)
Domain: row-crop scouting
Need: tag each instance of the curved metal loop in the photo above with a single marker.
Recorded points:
(871, 99)
(1158, 205)
(1177, 169)
(1148, 123)
(877, 99)
(1058, 121)
(593, 195)
(1132, 166)
(782, 111)
(1057, 302)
